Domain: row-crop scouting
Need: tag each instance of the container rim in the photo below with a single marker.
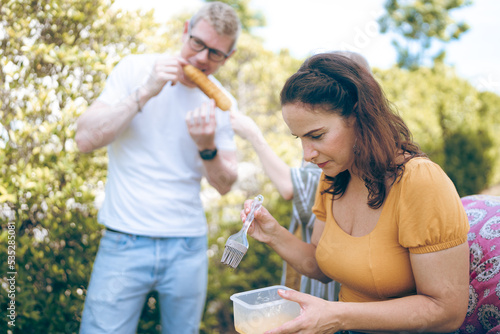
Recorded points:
(275, 302)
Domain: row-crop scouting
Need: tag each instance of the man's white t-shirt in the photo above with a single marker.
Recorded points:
(154, 169)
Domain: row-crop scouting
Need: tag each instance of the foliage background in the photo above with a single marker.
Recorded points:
(55, 56)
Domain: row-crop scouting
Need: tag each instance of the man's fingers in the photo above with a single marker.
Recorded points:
(196, 116)
(208, 113)
(202, 116)
(190, 118)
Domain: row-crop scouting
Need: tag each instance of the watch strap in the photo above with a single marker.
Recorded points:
(208, 154)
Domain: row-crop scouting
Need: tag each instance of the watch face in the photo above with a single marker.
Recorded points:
(208, 154)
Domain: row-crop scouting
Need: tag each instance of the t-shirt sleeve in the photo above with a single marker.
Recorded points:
(430, 214)
(117, 84)
(319, 208)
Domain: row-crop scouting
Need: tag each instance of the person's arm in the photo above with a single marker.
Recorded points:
(442, 281)
(275, 168)
(221, 171)
(299, 254)
(440, 305)
(101, 123)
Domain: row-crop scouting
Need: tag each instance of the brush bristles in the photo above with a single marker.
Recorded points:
(232, 256)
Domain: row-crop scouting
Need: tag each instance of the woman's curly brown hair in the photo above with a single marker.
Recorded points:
(337, 84)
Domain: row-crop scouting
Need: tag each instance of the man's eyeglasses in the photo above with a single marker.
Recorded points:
(213, 54)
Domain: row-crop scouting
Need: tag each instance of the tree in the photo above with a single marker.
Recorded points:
(453, 122)
(54, 56)
(421, 28)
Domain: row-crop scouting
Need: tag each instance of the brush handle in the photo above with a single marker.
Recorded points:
(256, 204)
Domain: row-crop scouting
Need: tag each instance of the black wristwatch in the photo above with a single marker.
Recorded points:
(208, 154)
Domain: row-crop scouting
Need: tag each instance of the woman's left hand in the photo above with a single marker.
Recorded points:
(317, 315)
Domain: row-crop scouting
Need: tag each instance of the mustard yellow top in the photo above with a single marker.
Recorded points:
(422, 214)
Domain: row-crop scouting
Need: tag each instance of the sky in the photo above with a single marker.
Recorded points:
(309, 27)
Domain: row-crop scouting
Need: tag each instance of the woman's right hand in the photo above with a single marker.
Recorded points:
(264, 227)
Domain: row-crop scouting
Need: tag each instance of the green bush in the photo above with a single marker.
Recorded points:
(454, 123)
(468, 162)
(54, 58)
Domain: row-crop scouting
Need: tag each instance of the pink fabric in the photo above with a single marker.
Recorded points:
(483, 313)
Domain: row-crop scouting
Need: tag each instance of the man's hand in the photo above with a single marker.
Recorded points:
(201, 125)
(164, 70)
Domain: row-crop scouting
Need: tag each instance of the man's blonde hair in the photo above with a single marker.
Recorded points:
(221, 17)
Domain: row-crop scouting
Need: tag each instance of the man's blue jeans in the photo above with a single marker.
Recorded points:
(128, 267)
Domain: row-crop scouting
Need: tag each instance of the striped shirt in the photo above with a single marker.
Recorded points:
(305, 181)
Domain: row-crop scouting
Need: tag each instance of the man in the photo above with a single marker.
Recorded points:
(163, 134)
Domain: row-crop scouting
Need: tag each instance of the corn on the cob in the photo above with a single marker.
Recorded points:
(207, 87)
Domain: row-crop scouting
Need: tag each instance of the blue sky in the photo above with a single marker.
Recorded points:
(321, 25)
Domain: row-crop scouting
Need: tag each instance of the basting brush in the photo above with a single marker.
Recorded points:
(237, 244)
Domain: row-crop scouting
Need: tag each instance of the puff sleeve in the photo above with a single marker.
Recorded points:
(429, 214)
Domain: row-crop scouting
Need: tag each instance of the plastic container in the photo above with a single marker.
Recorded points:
(259, 310)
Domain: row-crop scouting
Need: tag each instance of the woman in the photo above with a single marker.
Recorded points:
(390, 225)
